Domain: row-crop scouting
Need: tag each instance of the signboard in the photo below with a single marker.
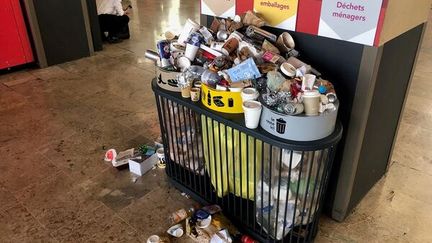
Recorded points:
(350, 20)
(219, 8)
(357, 21)
(278, 13)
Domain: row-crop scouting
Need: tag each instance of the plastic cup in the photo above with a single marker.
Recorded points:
(189, 27)
(186, 92)
(249, 94)
(308, 82)
(311, 102)
(252, 113)
(195, 94)
(191, 51)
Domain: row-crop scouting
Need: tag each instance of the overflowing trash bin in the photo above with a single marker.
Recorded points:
(272, 188)
(247, 125)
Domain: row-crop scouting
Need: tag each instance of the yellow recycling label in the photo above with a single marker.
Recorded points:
(278, 13)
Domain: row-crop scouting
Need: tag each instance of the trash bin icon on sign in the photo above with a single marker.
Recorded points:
(280, 126)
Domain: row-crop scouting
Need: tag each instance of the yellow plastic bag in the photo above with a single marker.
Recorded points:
(230, 158)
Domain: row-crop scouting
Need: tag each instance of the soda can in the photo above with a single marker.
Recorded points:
(247, 239)
(164, 52)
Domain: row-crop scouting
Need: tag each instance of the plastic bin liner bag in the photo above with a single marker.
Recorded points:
(183, 135)
(232, 159)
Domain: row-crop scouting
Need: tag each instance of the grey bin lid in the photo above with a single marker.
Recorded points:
(299, 128)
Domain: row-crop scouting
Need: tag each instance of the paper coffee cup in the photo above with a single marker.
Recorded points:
(252, 113)
(186, 92)
(311, 102)
(189, 27)
(191, 51)
(195, 94)
(285, 42)
(249, 94)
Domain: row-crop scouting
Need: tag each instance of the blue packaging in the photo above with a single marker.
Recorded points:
(196, 39)
(244, 71)
(164, 52)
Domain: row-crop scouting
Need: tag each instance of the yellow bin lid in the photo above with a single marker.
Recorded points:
(221, 101)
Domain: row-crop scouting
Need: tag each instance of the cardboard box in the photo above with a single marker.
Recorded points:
(142, 166)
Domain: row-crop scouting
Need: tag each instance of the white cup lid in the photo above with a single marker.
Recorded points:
(311, 93)
(288, 69)
(183, 62)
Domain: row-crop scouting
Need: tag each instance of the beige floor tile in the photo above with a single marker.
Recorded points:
(18, 225)
(16, 78)
(57, 202)
(150, 214)
(101, 225)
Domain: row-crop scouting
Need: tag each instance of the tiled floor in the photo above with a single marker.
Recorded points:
(56, 124)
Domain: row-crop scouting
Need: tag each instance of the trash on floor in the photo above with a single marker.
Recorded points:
(176, 231)
(142, 165)
(121, 158)
(140, 160)
(204, 224)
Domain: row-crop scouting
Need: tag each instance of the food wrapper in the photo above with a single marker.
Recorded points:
(235, 26)
(243, 71)
(273, 58)
(250, 18)
(267, 67)
(267, 46)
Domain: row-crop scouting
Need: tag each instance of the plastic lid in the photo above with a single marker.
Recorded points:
(312, 93)
(183, 62)
(288, 69)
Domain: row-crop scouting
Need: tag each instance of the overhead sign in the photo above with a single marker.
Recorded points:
(219, 8)
(278, 13)
(350, 20)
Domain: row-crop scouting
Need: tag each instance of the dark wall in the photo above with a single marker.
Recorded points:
(62, 30)
(394, 75)
(94, 25)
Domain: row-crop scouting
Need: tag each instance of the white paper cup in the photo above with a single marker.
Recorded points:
(191, 51)
(189, 27)
(311, 102)
(249, 94)
(252, 113)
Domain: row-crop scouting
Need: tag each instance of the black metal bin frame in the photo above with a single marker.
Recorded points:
(271, 188)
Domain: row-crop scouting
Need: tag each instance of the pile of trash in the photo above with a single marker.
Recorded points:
(206, 224)
(233, 54)
(139, 160)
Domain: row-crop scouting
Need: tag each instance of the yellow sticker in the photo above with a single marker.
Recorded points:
(278, 13)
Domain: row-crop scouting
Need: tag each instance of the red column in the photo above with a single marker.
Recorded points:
(14, 40)
(308, 16)
(244, 5)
